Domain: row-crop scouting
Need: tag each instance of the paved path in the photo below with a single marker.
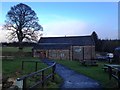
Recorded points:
(73, 79)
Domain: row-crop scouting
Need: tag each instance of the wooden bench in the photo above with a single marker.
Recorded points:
(89, 63)
(105, 68)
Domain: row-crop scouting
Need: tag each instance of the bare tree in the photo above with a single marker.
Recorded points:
(23, 22)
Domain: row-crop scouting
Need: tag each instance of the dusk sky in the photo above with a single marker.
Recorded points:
(73, 18)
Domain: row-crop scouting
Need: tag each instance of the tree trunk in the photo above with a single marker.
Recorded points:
(20, 46)
(20, 38)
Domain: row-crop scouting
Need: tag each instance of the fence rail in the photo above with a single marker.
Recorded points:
(39, 73)
(36, 63)
(114, 71)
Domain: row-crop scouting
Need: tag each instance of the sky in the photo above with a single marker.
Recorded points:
(71, 18)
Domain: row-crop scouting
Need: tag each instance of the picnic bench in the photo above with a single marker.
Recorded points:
(89, 63)
(114, 71)
(105, 68)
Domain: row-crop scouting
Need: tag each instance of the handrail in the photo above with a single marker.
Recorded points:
(53, 66)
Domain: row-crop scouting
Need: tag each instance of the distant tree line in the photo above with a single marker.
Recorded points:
(105, 45)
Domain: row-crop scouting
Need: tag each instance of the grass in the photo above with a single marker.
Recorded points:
(12, 69)
(94, 72)
(16, 49)
(9, 67)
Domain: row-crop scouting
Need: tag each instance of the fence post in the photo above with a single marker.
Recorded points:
(24, 84)
(118, 79)
(110, 72)
(36, 66)
(43, 78)
(22, 64)
(53, 72)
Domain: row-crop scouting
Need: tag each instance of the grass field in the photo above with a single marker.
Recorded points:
(10, 68)
(94, 72)
(15, 49)
(13, 69)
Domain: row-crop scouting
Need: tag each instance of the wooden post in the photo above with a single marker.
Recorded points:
(48, 54)
(83, 52)
(69, 53)
(91, 52)
(118, 79)
(43, 78)
(24, 84)
(35, 66)
(72, 53)
(110, 72)
(22, 64)
(53, 72)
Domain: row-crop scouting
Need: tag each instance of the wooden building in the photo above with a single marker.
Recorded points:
(66, 48)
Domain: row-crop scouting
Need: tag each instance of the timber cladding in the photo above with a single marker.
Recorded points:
(83, 52)
(77, 52)
(53, 54)
(66, 48)
(59, 54)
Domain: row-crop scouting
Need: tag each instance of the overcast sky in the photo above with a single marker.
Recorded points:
(72, 18)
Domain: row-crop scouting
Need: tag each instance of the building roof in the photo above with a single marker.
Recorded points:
(64, 42)
(46, 47)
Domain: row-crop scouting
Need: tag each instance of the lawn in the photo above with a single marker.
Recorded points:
(12, 69)
(16, 49)
(15, 52)
(94, 72)
(11, 66)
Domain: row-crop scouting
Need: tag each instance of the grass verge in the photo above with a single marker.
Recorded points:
(12, 69)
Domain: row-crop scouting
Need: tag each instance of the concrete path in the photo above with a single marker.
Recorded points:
(73, 79)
